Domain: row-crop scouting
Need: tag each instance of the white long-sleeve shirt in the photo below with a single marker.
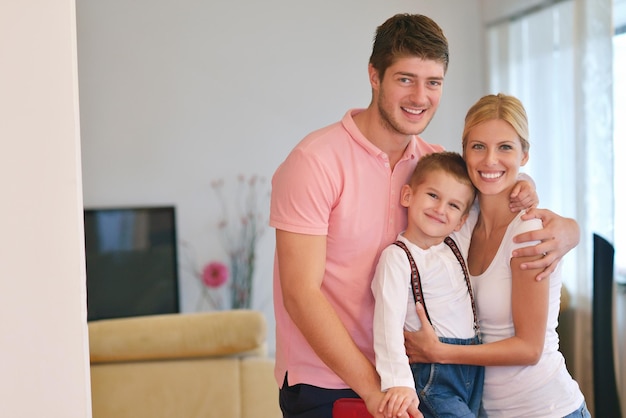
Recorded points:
(445, 295)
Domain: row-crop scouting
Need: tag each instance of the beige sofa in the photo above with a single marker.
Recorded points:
(211, 364)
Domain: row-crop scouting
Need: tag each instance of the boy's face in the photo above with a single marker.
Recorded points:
(408, 95)
(436, 208)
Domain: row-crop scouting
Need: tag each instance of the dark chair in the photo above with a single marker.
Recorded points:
(606, 401)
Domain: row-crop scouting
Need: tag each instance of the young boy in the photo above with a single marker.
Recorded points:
(426, 266)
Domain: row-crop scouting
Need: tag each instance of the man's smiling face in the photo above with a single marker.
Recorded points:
(409, 94)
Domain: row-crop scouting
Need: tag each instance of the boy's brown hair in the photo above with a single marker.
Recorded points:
(446, 161)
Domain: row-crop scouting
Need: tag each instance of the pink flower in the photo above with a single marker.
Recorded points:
(214, 274)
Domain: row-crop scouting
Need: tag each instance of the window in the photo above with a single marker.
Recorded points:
(557, 59)
(619, 144)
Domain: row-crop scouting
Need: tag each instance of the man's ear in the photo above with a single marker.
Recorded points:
(374, 77)
(405, 195)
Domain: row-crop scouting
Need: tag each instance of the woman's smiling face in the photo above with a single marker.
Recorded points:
(493, 153)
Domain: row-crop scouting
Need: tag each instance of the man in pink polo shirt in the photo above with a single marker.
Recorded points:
(335, 205)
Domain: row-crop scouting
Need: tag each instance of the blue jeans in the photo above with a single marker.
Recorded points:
(449, 390)
(581, 412)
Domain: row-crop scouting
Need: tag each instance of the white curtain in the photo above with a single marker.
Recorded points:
(558, 60)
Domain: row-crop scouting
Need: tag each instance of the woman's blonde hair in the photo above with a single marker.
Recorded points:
(498, 106)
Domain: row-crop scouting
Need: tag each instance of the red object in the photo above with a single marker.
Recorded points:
(350, 408)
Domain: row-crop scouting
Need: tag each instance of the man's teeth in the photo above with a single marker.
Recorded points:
(414, 111)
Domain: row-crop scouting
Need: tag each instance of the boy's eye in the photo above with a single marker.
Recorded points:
(433, 195)
(455, 206)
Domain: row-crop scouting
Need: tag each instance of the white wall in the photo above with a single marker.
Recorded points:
(177, 94)
(44, 367)
(494, 10)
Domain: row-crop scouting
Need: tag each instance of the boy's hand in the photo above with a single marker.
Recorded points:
(399, 401)
(558, 236)
(523, 196)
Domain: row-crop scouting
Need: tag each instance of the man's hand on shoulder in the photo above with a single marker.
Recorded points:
(558, 236)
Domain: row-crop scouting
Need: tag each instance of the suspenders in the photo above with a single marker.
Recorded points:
(416, 281)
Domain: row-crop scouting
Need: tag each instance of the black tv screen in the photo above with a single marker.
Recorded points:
(131, 262)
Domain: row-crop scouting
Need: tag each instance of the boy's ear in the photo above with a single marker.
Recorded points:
(405, 195)
(461, 222)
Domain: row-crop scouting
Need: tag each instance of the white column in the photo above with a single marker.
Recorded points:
(44, 366)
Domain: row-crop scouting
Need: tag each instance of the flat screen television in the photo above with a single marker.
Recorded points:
(131, 262)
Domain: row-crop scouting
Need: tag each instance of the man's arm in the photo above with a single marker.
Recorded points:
(301, 262)
(558, 236)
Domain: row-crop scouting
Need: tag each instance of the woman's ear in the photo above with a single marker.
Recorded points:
(405, 195)
(524, 159)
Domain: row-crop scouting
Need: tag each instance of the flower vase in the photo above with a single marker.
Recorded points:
(241, 270)
(208, 301)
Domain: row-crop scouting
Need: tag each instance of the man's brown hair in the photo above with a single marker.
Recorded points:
(408, 35)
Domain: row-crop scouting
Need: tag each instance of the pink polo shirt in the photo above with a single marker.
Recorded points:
(337, 183)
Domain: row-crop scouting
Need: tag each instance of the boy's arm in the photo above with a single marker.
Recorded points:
(390, 289)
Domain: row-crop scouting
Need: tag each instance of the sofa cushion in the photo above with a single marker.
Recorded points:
(259, 391)
(233, 332)
(189, 388)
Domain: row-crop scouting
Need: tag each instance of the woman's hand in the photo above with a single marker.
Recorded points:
(558, 236)
(421, 346)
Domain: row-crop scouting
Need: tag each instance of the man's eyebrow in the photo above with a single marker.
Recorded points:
(404, 73)
(413, 75)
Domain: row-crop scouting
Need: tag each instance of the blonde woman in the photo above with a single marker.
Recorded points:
(526, 374)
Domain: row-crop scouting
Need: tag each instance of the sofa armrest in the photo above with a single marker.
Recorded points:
(154, 337)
